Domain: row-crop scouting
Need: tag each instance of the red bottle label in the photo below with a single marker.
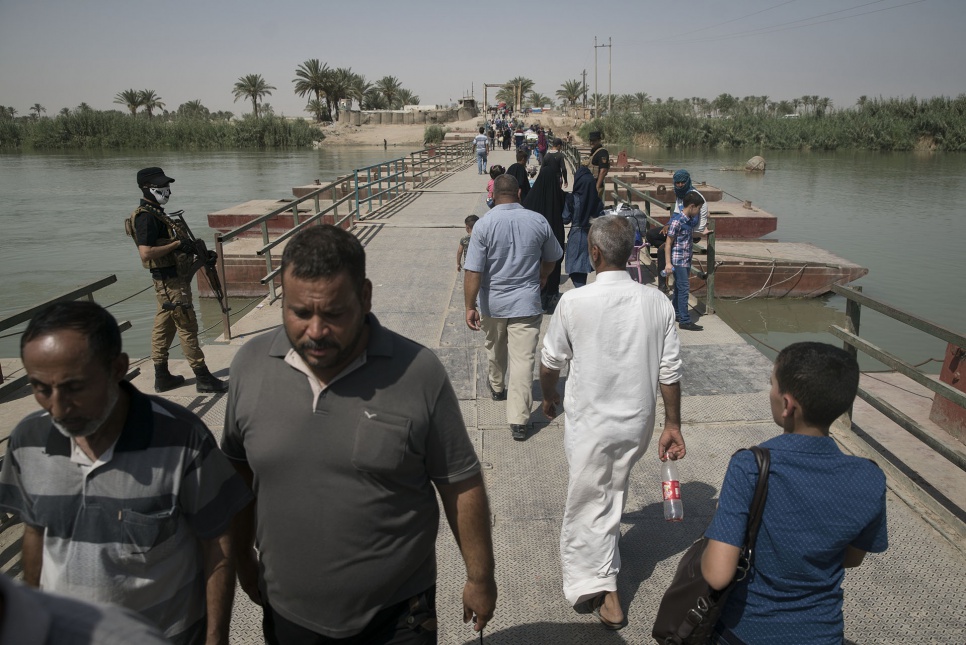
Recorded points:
(672, 490)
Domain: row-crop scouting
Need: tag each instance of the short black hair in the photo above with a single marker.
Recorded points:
(521, 155)
(481, 130)
(506, 186)
(93, 321)
(692, 198)
(325, 251)
(822, 378)
(471, 220)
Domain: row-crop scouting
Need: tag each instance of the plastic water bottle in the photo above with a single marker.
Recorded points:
(673, 506)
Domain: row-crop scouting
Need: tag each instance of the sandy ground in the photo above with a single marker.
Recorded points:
(373, 135)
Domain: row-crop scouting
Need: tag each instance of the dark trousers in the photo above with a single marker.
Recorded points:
(390, 626)
(656, 239)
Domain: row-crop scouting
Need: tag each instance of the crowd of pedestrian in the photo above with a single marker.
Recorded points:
(339, 434)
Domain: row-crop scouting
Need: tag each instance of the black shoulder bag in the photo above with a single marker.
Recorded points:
(690, 608)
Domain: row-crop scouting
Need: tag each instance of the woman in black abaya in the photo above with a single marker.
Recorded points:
(547, 198)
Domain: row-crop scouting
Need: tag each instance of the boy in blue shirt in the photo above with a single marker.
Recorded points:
(824, 511)
(677, 256)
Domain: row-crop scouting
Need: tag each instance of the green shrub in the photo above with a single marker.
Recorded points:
(434, 134)
(113, 129)
(877, 124)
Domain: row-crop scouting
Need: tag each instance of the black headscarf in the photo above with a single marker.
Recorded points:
(519, 172)
(587, 203)
(547, 198)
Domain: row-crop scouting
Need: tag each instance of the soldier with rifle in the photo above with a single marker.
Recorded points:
(173, 255)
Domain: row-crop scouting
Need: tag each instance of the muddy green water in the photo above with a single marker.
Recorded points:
(900, 214)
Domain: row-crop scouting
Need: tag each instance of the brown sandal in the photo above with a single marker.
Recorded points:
(595, 604)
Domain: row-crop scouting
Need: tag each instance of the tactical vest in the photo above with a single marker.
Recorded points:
(594, 168)
(180, 261)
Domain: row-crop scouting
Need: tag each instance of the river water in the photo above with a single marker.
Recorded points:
(899, 214)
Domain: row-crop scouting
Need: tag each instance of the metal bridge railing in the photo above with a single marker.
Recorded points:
(854, 344)
(382, 181)
(371, 186)
(11, 385)
(333, 189)
(630, 194)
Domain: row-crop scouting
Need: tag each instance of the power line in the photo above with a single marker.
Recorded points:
(793, 24)
(747, 15)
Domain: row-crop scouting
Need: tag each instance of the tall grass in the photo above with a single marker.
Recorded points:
(112, 129)
(877, 124)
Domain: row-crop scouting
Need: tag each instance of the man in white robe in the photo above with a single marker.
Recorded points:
(620, 340)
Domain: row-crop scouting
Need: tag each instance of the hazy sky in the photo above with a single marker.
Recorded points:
(60, 53)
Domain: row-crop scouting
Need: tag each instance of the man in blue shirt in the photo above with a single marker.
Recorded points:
(511, 253)
(824, 511)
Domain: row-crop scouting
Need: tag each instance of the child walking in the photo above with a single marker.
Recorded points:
(495, 171)
(465, 241)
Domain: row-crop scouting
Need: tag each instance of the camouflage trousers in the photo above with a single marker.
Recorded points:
(175, 313)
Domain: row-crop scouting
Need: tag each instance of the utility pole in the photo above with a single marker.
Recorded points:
(584, 86)
(609, 90)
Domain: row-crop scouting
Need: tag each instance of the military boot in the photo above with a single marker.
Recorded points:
(206, 381)
(165, 380)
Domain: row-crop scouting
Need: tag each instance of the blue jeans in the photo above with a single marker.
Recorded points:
(682, 286)
(481, 162)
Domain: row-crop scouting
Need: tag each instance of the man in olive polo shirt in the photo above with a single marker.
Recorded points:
(344, 429)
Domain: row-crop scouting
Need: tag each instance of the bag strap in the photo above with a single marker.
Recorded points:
(756, 510)
(763, 457)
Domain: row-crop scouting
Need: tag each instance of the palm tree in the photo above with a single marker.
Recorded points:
(642, 99)
(194, 110)
(406, 97)
(570, 91)
(389, 86)
(625, 101)
(824, 106)
(374, 100)
(64, 112)
(7, 112)
(150, 101)
(507, 94)
(130, 98)
(339, 86)
(84, 107)
(598, 99)
(524, 83)
(359, 88)
(539, 100)
(37, 109)
(316, 108)
(724, 103)
(311, 77)
(253, 87)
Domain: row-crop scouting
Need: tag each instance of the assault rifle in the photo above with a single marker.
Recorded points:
(204, 259)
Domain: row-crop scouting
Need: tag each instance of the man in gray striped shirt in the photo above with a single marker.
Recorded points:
(125, 497)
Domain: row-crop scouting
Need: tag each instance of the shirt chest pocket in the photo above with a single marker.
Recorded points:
(381, 443)
(148, 537)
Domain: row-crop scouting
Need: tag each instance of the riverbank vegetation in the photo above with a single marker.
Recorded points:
(754, 122)
(434, 134)
(802, 123)
(191, 127)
